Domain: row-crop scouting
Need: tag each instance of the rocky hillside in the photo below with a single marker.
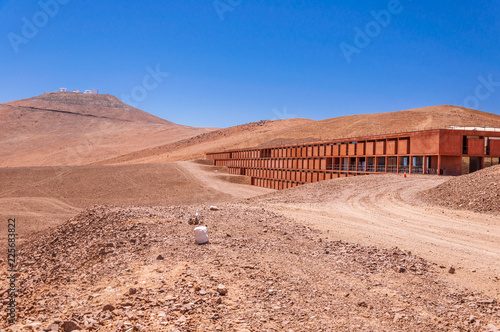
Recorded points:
(479, 191)
(66, 128)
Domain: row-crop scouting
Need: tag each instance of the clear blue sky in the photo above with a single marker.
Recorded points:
(235, 61)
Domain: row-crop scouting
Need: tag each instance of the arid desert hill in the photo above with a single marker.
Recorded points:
(478, 191)
(299, 130)
(66, 128)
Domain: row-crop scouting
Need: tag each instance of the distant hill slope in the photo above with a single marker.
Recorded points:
(434, 117)
(102, 106)
(65, 128)
(299, 130)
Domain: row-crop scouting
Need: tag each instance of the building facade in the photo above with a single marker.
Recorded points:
(87, 92)
(440, 152)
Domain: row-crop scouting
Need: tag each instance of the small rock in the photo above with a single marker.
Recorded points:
(89, 322)
(181, 320)
(214, 208)
(221, 289)
(132, 291)
(451, 270)
(34, 326)
(108, 307)
(188, 307)
(69, 326)
(194, 221)
(53, 327)
(400, 269)
(397, 317)
(362, 304)
(129, 314)
(160, 258)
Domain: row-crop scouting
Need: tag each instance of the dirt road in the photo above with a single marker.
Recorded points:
(217, 179)
(385, 211)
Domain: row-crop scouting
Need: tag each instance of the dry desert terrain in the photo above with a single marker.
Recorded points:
(104, 197)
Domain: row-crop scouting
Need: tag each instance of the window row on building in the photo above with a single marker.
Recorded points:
(384, 164)
(443, 152)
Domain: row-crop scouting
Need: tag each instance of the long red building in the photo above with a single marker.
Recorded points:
(440, 152)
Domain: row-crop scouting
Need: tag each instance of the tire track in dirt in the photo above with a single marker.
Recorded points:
(385, 211)
(59, 175)
(209, 179)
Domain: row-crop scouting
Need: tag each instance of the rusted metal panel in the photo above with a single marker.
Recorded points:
(380, 148)
(360, 150)
(322, 150)
(316, 151)
(352, 149)
(391, 147)
(404, 146)
(309, 177)
(317, 164)
(370, 148)
(328, 150)
(475, 146)
(323, 164)
(343, 149)
(495, 148)
(335, 150)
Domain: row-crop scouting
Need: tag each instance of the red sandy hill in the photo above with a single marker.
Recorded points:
(65, 128)
(300, 130)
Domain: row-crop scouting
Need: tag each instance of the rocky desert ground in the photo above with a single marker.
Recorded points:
(105, 235)
(273, 263)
